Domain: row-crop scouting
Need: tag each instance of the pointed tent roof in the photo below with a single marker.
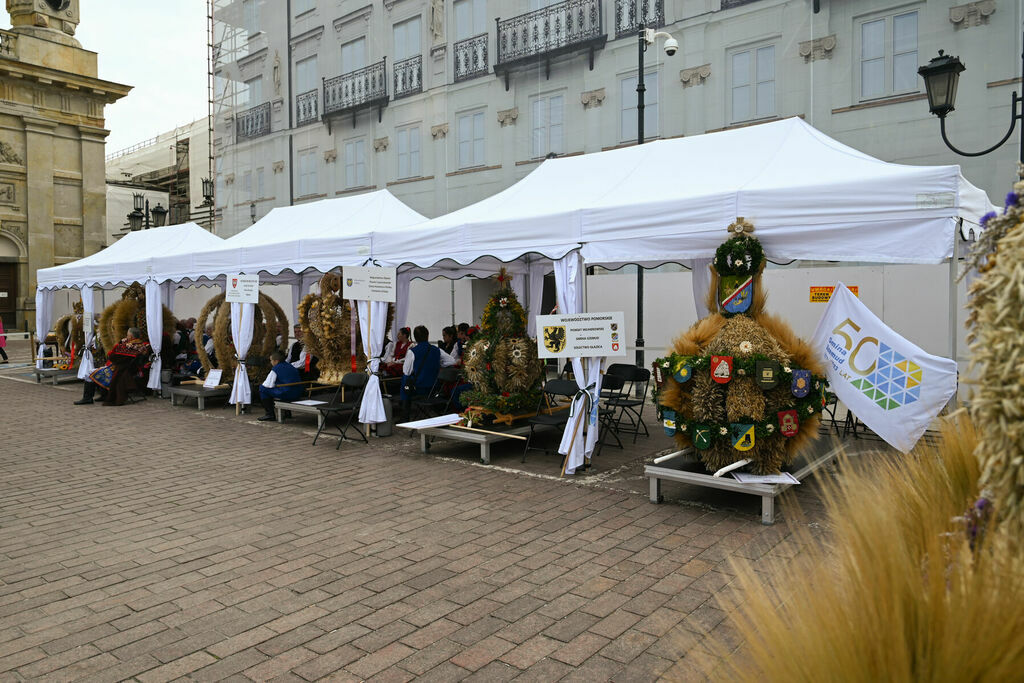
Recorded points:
(130, 259)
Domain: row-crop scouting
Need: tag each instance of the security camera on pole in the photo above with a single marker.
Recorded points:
(646, 36)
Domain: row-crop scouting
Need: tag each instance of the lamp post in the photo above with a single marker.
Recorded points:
(645, 37)
(208, 202)
(941, 76)
(252, 212)
(139, 218)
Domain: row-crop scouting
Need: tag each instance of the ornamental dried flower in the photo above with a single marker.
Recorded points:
(723, 431)
(746, 347)
(769, 428)
(987, 217)
(786, 369)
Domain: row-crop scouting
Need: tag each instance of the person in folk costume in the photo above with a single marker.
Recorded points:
(395, 354)
(422, 363)
(282, 384)
(301, 359)
(125, 368)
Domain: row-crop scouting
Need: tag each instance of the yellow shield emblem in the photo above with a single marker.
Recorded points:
(554, 338)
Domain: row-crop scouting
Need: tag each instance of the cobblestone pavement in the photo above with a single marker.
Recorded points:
(153, 543)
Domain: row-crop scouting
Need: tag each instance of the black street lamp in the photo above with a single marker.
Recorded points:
(941, 76)
(645, 37)
(141, 213)
(208, 202)
(252, 212)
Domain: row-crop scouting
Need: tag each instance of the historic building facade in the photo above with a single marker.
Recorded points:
(52, 179)
(445, 102)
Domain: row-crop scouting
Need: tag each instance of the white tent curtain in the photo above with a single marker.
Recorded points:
(401, 301)
(536, 296)
(242, 319)
(301, 289)
(44, 318)
(167, 291)
(578, 441)
(373, 319)
(86, 367)
(701, 280)
(155, 328)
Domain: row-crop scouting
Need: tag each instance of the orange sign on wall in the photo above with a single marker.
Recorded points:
(821, 295)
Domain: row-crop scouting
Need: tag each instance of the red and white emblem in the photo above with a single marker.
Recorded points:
(234, 283)
(721, 369)
(789, 423)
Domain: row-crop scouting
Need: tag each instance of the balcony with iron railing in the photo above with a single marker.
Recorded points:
(630, 15)
(471, 57)
(307, 107)
(408, 76)
(538, 37)
(360, 89)
(253, 122)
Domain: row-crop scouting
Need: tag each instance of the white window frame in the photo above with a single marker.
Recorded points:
(251, 17)
(408, 157)
(889, 55)
(309, 172)
(247, 186)
(547, 135)
(627, 110)
(476, 13)
(261, 179)
(303, 6)
(757, 79)
(355, 166)
(471, 149)
(301, 66)
(250, 100)
(402, 32)
(359, 64)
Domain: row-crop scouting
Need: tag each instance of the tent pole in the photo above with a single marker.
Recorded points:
(954, 302)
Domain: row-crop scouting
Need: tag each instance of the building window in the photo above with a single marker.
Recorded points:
(471, 139)
(408, 151)
(251, 16)
(261, 190)
(353, 55)
(307, 75)
(753, 83)
(247, 185)
(470, 18)
(627, 96)
(308, 182)
(355, 163)
(303, 6)
(548, 125)
(407, 38)
(888, 55)
(253, 92)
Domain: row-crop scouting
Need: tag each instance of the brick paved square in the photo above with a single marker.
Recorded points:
(152, 543)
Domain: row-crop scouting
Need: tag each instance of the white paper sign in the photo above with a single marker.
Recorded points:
(213, 379)
(3, 295)
(87, 322)
(369, 284)
(586, 335)
(243, 289)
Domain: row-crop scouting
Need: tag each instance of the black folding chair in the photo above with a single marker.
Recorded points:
(555, 391)
(611, 390)
(344, 406)
(437, 401)
(630, 406)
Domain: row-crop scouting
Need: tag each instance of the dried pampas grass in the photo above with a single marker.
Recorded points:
(894, 593)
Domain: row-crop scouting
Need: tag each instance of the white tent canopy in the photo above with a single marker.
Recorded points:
(131, 258)
(808, 196)
(289, 240)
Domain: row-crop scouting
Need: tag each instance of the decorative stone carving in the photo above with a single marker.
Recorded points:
(971, 14)
(592, 98)
(7, 193)
(67, 240)
(229, 179)
(330, 156)
(363, 13)
(437, 21)
(380, 144)
(439, 131)
(695, 75)
(819, 48)
(278, 167)
(9, 156)
(17, 230)
(507, 117)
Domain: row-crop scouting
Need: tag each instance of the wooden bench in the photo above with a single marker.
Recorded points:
(198, 392)
(483, 438)
(55, 376)
(281, 406)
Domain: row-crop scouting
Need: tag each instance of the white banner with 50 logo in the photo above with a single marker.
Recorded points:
(892, 385)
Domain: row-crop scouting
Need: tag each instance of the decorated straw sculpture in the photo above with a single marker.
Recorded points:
(130, 311)
(739, 384)
(269, 324)
(501, 360)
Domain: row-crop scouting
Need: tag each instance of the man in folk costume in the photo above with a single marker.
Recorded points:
(282, 384)
(301, 359)
(422, 363)
(125, 366)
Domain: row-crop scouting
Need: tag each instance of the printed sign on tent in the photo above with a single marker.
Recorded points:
(243, 289)
(369, 284)
(893, 386)
(583, 335)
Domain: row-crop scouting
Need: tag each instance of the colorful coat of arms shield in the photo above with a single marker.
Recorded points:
(789, 423)
(721, 369)
(766, 373)
(801, 383)
(669, 421)
(742, 436)
(701, 437)
(735, 292)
